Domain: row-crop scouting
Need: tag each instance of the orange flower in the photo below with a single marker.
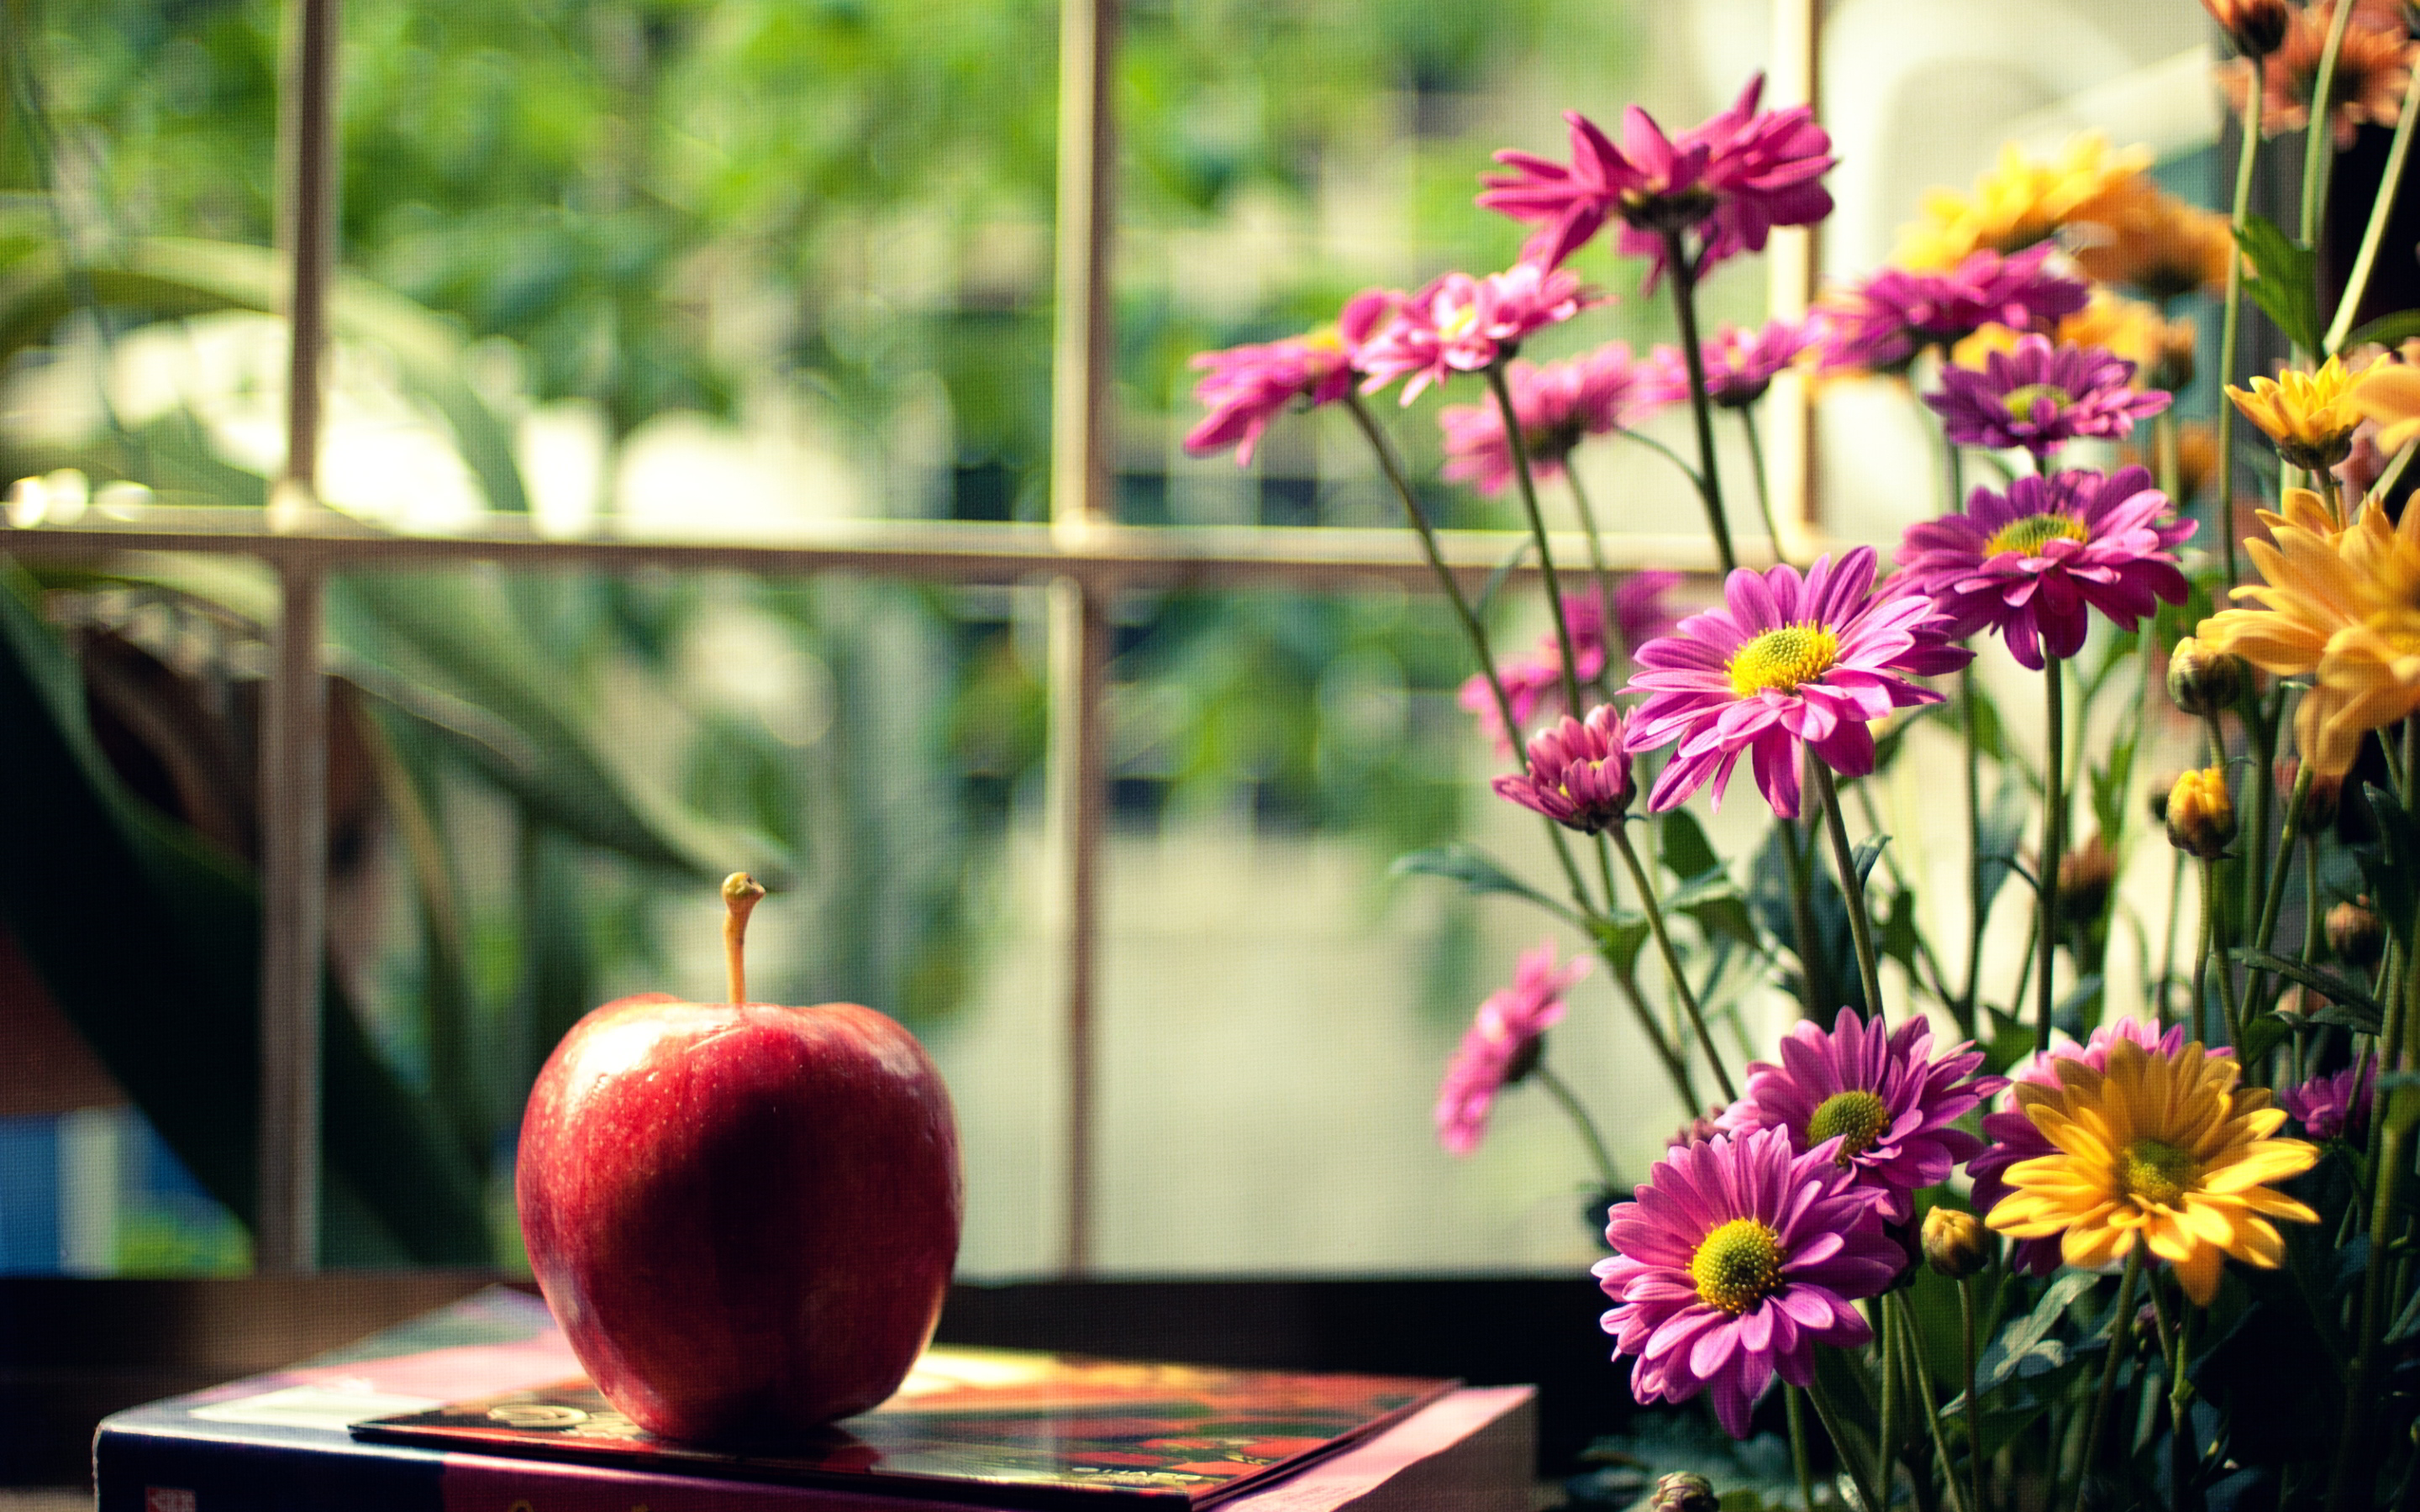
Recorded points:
(2373, 69)
(2138, 234)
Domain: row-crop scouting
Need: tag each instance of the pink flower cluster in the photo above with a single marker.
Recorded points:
(1535, 682)
(1558, 405)
(1501, 1046)
(1879, 323)
(2040, 397)
(1461, 324)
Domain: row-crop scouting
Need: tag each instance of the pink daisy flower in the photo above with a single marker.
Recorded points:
(1879, 323)
(1501, 1046)
(2040, 397)
(1578, 776)
(1785, 662)
(1734, 177)
(1249, 386)
(1461, 324)
(1558, 405)
(2329, 1108)
(2013, 1136)
(1738, 1256)
(1740, 364)
(1535, 682)
(1879, 1100)
(2033, 562)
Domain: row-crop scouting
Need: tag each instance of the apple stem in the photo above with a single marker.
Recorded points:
(740, 893)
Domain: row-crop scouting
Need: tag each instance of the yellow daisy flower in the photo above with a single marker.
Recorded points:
(2336, 605)
(2019, 201)
(2389, 393)
(2308, 416)
(2167, 1151)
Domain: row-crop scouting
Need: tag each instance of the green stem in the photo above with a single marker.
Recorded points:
(2160, 1001)
(1607, 626)
(1924, 1398)
(1675, 1065)
(1684, 299)
(2273, 896)
(1763, 489)
(1974, 1409)
(1886, 1449)
(1471, 631)
(1561, 1092)
(2053, 845)
(1853, 890)
(2374, 234)
(2346, 1483)
(1793, 1398)
(1970, 703)
(1843, 1448)
(1822, 1000)
(2180, 1460)
(2231, 325)
(2319, 135)
(2121, 1320)
(1519, 445)
(1655, 912)
(2214, 952)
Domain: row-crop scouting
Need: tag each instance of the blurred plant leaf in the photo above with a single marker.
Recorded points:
(1867, 852)
(2352, 1005)
(2026, 1347)
(1686, 852)
(2392, 865)
(86, 872)
(1999, 830)
(1475, 870)
(2284, 281)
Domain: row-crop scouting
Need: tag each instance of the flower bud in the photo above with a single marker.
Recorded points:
(2202, 680)
(2201, 816)
(2355, 936)
(1696, 1131)
(2086, 875)
(2256, 27)
(2321, 804)
(2172, 365)
(1956, 1243)
(1685, 1491)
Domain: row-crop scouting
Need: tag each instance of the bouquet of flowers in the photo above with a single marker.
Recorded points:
(1999, 1242)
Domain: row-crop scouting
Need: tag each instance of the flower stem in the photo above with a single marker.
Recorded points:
(2171, 1337)
(1924, 1398)
(1763, 487)
(2198, 1014)
(1814, 971)
(1655, 912)
(2374, 234)
(1608, 624)
(1853, 890)
(2122, 1319)
(2347, 1483)
(2319, 134)
(2231, 325)
(1969, 702)
(1791, 1397)
(1471, 629)
(1561, 1092)
(2215, 950)
(1684, 300)
(2274, 897)
(1887, 1329)
(2053, 843)
(1503, 389)
(1842, 1450)
(1974, 1409)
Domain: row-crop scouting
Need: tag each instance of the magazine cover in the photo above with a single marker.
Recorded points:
(1001, 1427)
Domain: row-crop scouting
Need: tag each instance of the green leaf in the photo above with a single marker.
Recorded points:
(2025, 1347)
(1700, 889)
(2112, 783)
(2351, 1002)
(1620, 938)
(2068, 1013)
(2284, 280)
(1687, 852)
(2265, 1033)
(2386, 330)
(1898, 939)
(1496, 580)
(1867, 852)
(1476, 870)
(177, 1017)
(2392, 865)
(1999, 832)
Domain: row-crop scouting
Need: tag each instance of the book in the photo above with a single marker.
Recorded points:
(369, 1427)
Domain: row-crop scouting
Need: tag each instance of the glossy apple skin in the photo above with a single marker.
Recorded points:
(744, 1217)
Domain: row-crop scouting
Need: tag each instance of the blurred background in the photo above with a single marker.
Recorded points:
(676, 270)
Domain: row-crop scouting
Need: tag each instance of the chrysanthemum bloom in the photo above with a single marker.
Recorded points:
(1559, 405)
(2389, 393)
(1881, 323)
(2334, 605)
(1501, 1046)
(1738, 1256)
(2019, 201)
(2310, 417)
(2256, 27)
(2040, 397)
(2330, 1107)
(1461, 324)
(1578, 776)
(1249, 386)
(2013, 1138)
(2032, 562)
(1786, 662)
(1734, 177)
(2373, 69)
(2162, 1149)
(1740, 364)
(2149, 239)
(2161, 349)
(1536, 681)
(1891, 1106)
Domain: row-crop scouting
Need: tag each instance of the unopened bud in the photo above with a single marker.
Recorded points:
(1956, 1243)
(1696, 1131)
(2202, 680)
(2320, 804)
(1685, 1491)
(2172, 365)
(2355, 934)
(2201, 816)
(2085, 877)
(2256, 27)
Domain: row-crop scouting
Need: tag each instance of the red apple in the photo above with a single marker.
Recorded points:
(743, 1215)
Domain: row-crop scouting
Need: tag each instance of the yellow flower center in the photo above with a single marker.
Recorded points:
(2028, 534)
(1737, 1266)
(2021, 402)
(1857, 1117)
(2157, 1172)
(1784, 658)
(1458, 325)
